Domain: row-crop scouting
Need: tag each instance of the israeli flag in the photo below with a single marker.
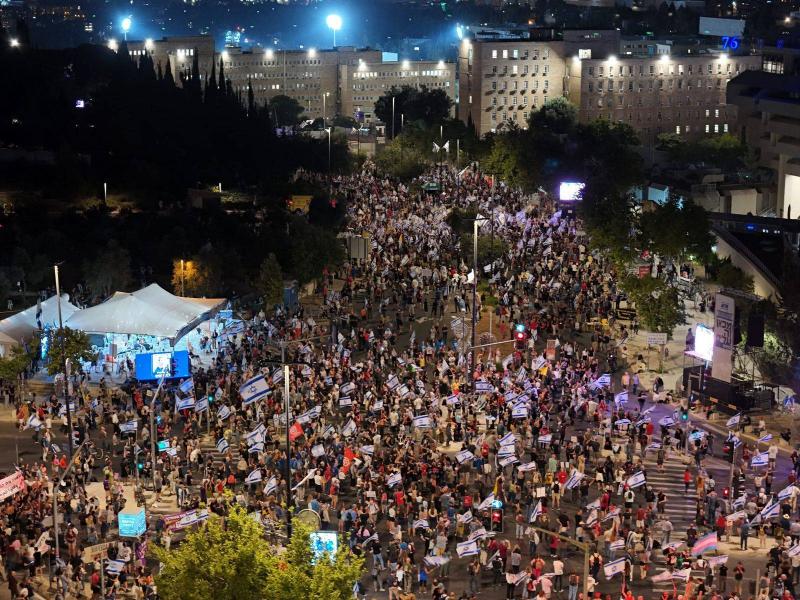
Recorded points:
(765, 438)
(614, 567)
(546, 439)
(394, 479)
(667, 422)
(484, 387)
(464, 456)
(347, 388)
(760, 460)
(621, 422)
(787, 492)
(531, 466)
(345, 401)
(508, 460)
(520, 412)
(478, 534)
(253, 389)
(505, 451)
(222, 445)
(392, 383)
(33, 422)
(733, 421)
(255, 436)
(255, 448)
(277, 376)
(272, 485)
(349, 428)
(452, 400)
(466, 518)
(770, 511)
(422, 421)
(508, 439)
(574, 480)
(468, 548)
(187, 387)
(617, 545)
(636, 480)
(621, 398)
(420, 524)
(602, 381)
(370, 450)
(201, 405)
(487, 502)
(536, 512)
(254, 476)
(224, 412)
(794, 550)
(185, 403)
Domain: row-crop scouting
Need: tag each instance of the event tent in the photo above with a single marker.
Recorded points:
(150, 311)
(20, 327)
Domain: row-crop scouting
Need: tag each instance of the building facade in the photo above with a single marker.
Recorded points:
(176, 52)
(769, 121)
(684, 95)
(362, 84)
(501, 81)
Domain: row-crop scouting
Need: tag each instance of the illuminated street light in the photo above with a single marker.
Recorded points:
(148, 44)
(664, 58)
(113, 45)
(312, 53)
(126, 26)
(14, 42)
(335, 24)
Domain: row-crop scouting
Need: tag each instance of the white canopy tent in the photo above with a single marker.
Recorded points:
(151, 311)
(20, 327)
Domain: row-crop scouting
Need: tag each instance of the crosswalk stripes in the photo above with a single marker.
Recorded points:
(680, 507)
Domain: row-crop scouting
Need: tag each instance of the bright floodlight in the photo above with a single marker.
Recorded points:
(112, 44)
(334, 22)
(14, 42)
(126, 24)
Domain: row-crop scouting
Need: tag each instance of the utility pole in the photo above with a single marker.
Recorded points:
(65, 368)
(56, 487)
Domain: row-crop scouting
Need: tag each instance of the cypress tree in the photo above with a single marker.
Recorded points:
(160, 73)
(251, 103)
(168, 77)
(221, 85)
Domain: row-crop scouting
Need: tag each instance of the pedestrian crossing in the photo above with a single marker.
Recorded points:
(681, 507)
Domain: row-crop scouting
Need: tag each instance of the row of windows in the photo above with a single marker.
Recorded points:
(524, 54)
(716, 126)
(275, 75)
(515, 70)
(659, 84)
(395, 74)
(385, 86)
(647, 116)
(515, 116)
(662, 69)
(513, 101)
(524, 85)
(665, 102)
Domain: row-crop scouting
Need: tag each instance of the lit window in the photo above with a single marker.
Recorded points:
(678, 129)
(494, 53)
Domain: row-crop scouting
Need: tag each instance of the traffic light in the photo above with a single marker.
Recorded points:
(497, 520)
(684, 414)
(726, 493)
(211, 399)
(520, 336)
(728, 449)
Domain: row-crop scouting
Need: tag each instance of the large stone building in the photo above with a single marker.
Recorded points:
(500, 82)
(769, 120)
(339, 81)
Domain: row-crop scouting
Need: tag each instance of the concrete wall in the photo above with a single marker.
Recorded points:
(763, 286)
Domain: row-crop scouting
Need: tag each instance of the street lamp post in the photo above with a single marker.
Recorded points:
(153, 430)
(183, 291)
(57, 486)
(64, 361)
(474, 294)
(328, 129)
(393, 97)
(335, 24)
(126, 27)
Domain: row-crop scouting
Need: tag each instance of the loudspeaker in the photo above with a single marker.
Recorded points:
(755, 330)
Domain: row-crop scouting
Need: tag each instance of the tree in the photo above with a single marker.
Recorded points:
(489, 249)
(430, 107)
(20, 357)
(285, 110)
(658, 304)
(110, 270)
(70, 344)
(677, 229)
(187, 279)
(728, 275)
(557, 115)
(239, 563)
(270, 282)
(312, 249)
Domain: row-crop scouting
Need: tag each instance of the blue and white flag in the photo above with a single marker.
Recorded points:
(787, 492)
(33, 422)
(55, 448)
(185, 403)
(536, 512)
(187, 387)
(508, 460)
(484, 387)
(256, 448)
(277, 376)
(530, 466)
(478, 534)
(765, 438)
(508, 439)
(614, 567)
(546, 438)
(370, 450)
(487, 502)
(129, 427)
(253, 390)
(222, 445)
(468, 548)
(636, 480)
(347, 388)
(272, 485)
(794, 550)
(224, 412)
(602, 381)
(667, 422)
(621, 398)
(611, 514)
(201, 405)
(394, 479)
(574, 480)
(453, 400)
(392, 383)
(423, 422)
(349, 428)
(770, 511)
(254, 476)
(464, 456)
(759, 460)
(345, 401)
(255, 436)
(520, 412)
(617, 545)
(505, 451)
(621, 422)
(420, 524)
(733, 421)
(466, 518)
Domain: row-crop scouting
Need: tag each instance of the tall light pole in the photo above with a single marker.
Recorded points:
(474, 295)
(64, 361)
(183, 292)
(325, 107)
(126, 27)
(335, 24)
(393, 97)
(329, 129)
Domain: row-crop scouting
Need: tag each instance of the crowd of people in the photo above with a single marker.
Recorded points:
(455, 470)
